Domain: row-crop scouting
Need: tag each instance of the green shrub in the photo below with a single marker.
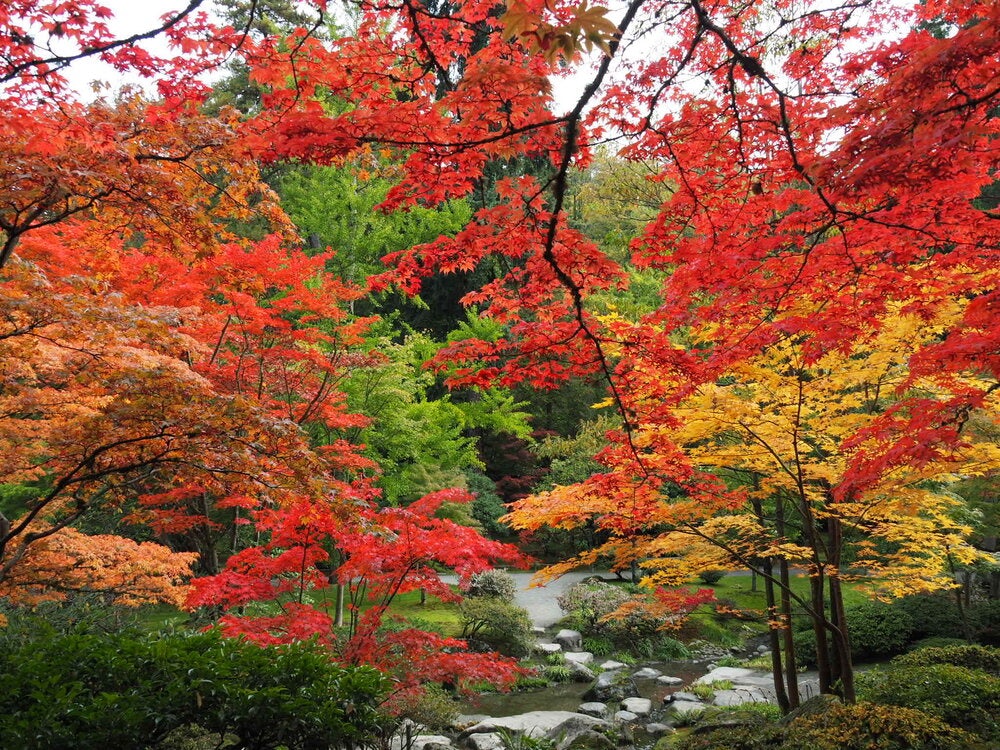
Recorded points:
(432, 708)
(598, 645)
(962, 697)
(495, 583)
(709, 733)
(985, 619)
(937, 642)
(497, 625)
(963, 655)
(931, 615)
(711, 577)
(866, 726)
(557, 673)
(127, 690)
(878, 630)
(591, 601)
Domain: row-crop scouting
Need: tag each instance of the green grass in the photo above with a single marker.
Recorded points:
(737, 589)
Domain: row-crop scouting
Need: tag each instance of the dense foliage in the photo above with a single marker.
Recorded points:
(95, 690)
(794, 323)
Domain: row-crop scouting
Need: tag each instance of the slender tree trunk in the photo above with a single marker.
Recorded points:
(338, 618)
(792, 676)
(777, 672)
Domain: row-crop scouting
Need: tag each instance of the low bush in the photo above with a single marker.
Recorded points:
(496, 625)
(711, 577)
(131, 690)
(867, 726)
(495, 583)
(985, 658)
(588, 602)
(937, 642)
(961, 697)
(878, 630)
(931, 615)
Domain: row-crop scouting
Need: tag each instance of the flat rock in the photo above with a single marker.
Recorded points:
(737, 676)
(533, 723)
(594, 708)
(548, 648)
(656, 729)
(580, 657)
(668, 680)
(625, 717)
(611, 664)
(637, 706)
(738, 696)
(647, 673)
(682, 695)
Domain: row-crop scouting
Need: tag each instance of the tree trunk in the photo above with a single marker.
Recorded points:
(777, 672)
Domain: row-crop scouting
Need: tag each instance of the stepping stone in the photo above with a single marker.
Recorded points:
(548, 648)
(668, 680)
(647, 673)
(593, 708)
(580, 657)
(682, 695)
(655, 729)
(637, 706)
(611, 664)
(625, 717)
(739, 696)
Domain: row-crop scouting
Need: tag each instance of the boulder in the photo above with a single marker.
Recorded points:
(612, 686)
(600, 710)
(586, 740)
(580, 657)
(570, 640)
(668, 680)
(580, 672)
(548, 648)
(534, 723)
(487, 741)
(423, 742)
(738, 696)
(655, 729)
(681, 695)
(728, 720)
(610, 664)
(580, 732)
(637, 706)
(625, 717)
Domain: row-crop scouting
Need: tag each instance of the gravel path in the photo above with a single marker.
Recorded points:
(540, 601)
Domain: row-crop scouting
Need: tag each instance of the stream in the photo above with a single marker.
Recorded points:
(568, 696)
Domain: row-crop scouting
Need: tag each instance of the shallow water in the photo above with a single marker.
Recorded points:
(568, 696)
